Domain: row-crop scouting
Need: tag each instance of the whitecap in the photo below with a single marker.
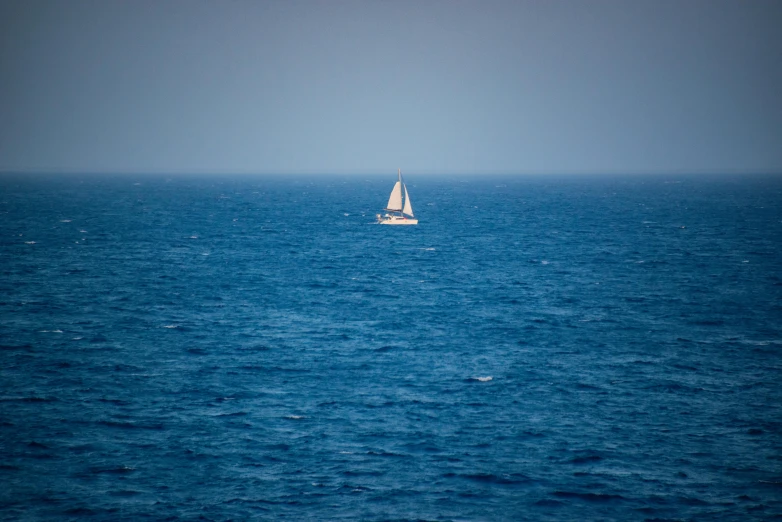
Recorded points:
(294, 417)
(745, 261)
(544, 262)
(65, 221)
(29, 242)
(170, 326)
(483, 379)
(345, 214)
(83, 231)
(193, 237)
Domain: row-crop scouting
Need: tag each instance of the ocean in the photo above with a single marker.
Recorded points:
(537, 348)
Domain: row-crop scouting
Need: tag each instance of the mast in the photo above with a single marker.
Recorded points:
(402, 188)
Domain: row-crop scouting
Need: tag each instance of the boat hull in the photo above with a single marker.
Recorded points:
(396, 220)
(408, 222)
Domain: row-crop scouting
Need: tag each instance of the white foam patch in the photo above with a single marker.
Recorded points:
(29, 242)
(483, 379)
(170, 326)
(65, 221)
(294, 417)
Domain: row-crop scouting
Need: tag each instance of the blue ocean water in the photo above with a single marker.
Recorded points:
(538, 348)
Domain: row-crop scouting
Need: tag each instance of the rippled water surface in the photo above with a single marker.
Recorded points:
(536, 349)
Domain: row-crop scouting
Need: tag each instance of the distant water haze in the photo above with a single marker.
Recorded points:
(367, 87)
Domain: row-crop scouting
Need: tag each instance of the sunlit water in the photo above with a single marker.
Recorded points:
(536, 349)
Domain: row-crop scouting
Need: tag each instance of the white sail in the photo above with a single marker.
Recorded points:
(395, 201)
(408, 206)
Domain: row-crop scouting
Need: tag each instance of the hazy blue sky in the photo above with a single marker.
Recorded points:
(428, 86)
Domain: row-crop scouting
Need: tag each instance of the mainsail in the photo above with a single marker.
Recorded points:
(395, 201)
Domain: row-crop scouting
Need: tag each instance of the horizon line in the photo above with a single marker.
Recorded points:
(374, 172)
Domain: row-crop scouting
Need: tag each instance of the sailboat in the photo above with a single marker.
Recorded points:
(396, 212)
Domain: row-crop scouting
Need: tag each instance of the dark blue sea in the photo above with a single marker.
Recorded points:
(538, 348)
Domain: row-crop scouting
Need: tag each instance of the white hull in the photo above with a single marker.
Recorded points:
(396, 220)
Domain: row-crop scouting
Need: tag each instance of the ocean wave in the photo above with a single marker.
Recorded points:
(511, 479)
(590, 497)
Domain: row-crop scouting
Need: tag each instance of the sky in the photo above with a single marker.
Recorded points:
(429, 86)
